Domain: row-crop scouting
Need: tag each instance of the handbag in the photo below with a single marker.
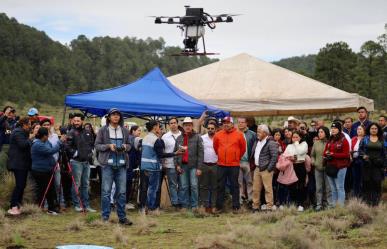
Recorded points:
(331, 170)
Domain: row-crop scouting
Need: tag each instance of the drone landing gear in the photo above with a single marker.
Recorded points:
(191, 48)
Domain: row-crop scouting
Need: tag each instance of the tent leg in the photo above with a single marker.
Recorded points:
(64, 115)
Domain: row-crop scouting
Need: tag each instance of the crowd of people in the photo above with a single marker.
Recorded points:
(256, 167)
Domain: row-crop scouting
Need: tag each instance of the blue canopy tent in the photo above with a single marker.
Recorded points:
(151, 95)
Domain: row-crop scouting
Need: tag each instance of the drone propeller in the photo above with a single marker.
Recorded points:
(165, 16)
(225, 15)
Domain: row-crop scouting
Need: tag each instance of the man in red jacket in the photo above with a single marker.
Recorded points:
(230, 146)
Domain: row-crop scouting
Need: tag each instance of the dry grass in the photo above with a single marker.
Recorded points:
(119, 235)
(7, 185)
(31, 210)
(3, 219)
(6, 233)
(363, 213)
(337, 226)
(273, 217)
(76, 225)
(144, 224)
(286, 234)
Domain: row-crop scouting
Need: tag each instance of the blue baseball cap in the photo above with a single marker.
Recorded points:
(33, 111)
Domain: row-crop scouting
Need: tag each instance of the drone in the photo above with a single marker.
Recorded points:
(193, 26)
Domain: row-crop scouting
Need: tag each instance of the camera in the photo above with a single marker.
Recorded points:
(328, 157)
(120, 149)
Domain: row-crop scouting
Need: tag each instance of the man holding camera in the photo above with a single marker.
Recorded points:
(79, 148)
(113, 143)
(7, 124)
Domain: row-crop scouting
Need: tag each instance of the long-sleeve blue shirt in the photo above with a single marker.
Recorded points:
(42, 155)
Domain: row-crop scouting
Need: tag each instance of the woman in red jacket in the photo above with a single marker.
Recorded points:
(336, 157)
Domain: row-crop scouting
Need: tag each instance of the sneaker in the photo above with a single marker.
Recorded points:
(281, 207)
(300, 209)
(51, 212)
(90, 210)
(105, 219)
(264, 207)
(14, 211)
(255, 210)
(130, 206)
(126, 222)
(78, 209)
(274, 208)
(318, 208)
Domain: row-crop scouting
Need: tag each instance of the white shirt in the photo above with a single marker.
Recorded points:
(169, 139)
(356, 149)
(209, 152)
(54, 139)
(258, 149)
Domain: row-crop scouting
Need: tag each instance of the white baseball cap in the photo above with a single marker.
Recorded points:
(187, 120)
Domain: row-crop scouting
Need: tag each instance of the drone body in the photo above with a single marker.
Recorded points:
(193, 26)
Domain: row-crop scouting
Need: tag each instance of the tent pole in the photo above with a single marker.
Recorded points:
(64, 115)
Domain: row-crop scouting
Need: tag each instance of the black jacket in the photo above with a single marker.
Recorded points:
(79, 144)
(19, 154)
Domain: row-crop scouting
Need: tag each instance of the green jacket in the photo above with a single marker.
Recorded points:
(317, 154)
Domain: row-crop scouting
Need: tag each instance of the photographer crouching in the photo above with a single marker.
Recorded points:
(113, 144)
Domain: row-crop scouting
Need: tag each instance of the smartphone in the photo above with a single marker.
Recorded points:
(182, 148)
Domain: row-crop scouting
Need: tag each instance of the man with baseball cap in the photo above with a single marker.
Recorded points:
(189, 164)
(113, 144)
(230, 146)
(33, 113)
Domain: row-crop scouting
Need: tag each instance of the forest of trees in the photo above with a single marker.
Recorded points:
(36, 69)
(338, 65)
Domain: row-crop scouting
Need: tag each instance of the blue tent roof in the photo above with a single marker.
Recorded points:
(151, 95)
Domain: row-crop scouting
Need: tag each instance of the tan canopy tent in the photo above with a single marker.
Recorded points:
(245, 85)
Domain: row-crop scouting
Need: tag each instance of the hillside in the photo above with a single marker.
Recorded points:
(36, 69)
(305, 64)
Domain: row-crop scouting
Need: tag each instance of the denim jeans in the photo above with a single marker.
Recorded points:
(153, 186)
(189, 190)
(118, 176)
(81, 173)
(172, 184)
(323, 190)
(337, 187)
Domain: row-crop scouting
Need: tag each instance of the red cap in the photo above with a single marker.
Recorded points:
(228, 119)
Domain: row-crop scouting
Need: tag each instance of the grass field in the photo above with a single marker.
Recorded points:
(355, 226)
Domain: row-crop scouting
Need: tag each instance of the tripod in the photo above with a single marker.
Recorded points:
(69, 168)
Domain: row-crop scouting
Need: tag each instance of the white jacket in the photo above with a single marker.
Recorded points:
(298, 149)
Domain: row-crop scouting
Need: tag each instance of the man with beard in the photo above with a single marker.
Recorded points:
(79, 148)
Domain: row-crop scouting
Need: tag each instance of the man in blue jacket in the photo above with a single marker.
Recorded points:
(152, 153)
(112, 144)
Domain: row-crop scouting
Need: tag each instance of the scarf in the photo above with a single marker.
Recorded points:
(185, 143)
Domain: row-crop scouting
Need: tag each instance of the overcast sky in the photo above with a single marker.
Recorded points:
(270, 29)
